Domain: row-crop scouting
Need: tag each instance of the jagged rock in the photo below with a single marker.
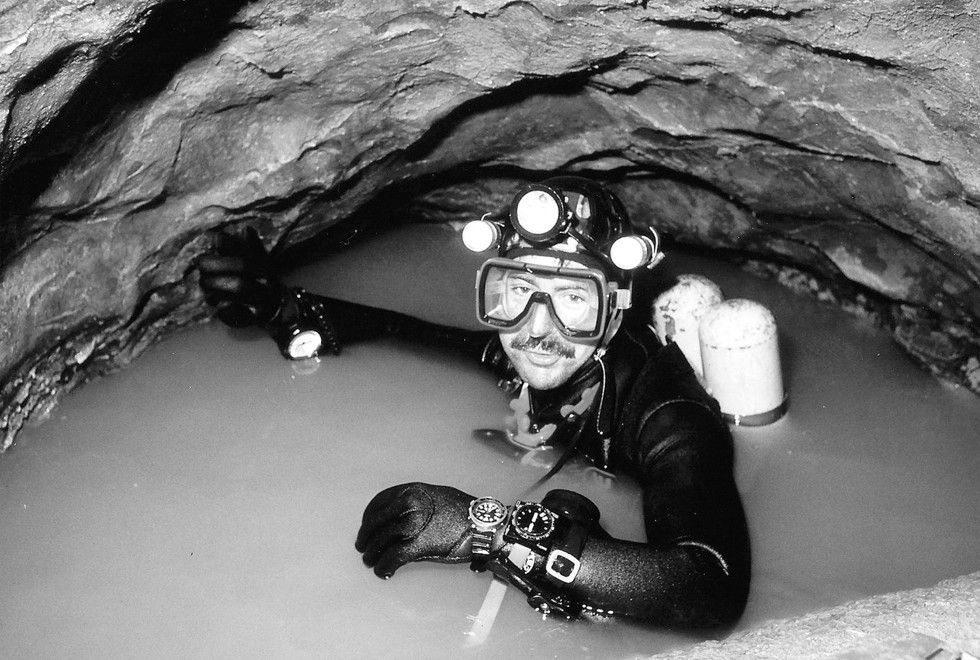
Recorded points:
(829, 143)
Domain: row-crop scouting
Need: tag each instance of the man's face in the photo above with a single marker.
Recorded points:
(543, 356)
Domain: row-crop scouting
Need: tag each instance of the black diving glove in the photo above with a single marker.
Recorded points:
(239, 281)
(414, 522)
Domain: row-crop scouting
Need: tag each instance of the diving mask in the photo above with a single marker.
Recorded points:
(577, 298)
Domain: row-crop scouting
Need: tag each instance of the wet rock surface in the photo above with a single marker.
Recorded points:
(939, 622)
(831, 144)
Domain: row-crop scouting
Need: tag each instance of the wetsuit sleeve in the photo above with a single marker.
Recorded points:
(694, 569)
(353, 322)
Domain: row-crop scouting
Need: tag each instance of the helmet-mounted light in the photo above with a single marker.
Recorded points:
(546, 219)
(632, 252)
(481, 235)
(539, 214)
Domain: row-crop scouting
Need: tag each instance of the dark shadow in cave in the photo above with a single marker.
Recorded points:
(514, 94)
(129, 72)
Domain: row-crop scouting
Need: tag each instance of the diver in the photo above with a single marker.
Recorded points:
(591, 380)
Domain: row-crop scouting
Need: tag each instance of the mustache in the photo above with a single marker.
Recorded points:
(550, 344)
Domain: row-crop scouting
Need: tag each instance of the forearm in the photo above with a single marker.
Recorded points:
(686, 584)
(353, 322)
(694, 570)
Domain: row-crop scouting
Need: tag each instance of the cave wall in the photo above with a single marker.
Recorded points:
(833, 145)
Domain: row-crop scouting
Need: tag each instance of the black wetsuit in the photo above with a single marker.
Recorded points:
(653, 421)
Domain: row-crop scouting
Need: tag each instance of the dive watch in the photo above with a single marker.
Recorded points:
(301, 343)
(487, 514)
(531, 525)
(307, 332)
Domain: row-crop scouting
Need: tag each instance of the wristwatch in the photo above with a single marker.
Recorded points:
(531, 525)
(487, 514)
(299, 342)
(309, 332)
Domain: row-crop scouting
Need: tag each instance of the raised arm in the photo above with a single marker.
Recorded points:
(240, 282)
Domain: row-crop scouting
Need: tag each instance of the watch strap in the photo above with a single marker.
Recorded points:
(480, 544)
(545, 567)
(483, 531)
(563, 561)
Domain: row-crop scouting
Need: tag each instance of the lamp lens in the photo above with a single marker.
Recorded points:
(630, 252)
(538, 212)
(480, 235)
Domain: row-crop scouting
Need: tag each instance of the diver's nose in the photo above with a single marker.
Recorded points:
(540, 323)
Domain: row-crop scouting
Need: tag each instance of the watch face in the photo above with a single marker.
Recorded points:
(487, 511)
(305, 344)
(533, 521)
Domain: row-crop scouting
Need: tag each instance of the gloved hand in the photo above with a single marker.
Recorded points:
(414, 522)
(239, 281)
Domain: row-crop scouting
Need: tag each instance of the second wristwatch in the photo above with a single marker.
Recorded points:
(487, 514)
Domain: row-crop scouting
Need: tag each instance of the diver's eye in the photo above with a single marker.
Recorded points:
(572, 298)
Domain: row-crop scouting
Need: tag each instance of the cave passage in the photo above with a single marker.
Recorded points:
(204, 501)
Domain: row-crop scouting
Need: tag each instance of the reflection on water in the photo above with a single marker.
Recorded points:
(203, 503)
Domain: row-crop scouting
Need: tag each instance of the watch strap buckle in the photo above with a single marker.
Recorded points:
(562, 566)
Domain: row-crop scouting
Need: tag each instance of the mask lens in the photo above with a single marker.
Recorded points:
(508, 292)
(576, 302)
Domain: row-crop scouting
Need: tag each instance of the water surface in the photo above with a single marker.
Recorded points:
(204, 502)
